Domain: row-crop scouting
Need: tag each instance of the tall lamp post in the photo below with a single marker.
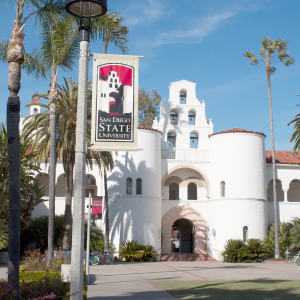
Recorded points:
(83, 9)
(90, 183)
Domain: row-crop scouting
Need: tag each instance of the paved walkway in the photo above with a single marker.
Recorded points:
(134, 281)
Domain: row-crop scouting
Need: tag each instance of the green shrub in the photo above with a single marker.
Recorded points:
(149, 253)
(233, 252)
(3, 235)
(285, 238)
(98, 245)
(295, 233)
(36, 261)
(134, 251)
(253, 251)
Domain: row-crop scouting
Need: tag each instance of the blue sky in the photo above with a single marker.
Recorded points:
(203, 42)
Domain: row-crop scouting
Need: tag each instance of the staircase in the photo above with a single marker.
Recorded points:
(186, 257)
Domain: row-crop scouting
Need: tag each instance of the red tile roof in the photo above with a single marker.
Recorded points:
(148, 128)
(35, 100)
(283, 157)
(237, 130)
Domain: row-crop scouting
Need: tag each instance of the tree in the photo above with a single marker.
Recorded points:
(109, 28)
(37, 127)
(15, 58)
(270, 52)
(32, 191)
(148, 107)
(296, 134)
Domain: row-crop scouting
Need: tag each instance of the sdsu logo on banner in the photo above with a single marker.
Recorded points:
(115, 103)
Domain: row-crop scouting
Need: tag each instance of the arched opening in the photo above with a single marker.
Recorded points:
(192, 191)
(182, 236)
(245, 234)
(44, 180)
(174, 191)
(192, 117)
(139, 186)
(94, 188)
(171, 139)
(280, 194)
(182, 96)
(60, 189)
(222, 189)
(174, 117)
(194, 140)
(35, 110)
(128, 186)
(294, 191)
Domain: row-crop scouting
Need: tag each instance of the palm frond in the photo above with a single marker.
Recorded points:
(254, 61)
(33, 64)
(3, 51)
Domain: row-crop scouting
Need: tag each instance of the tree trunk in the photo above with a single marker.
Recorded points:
(277, 252)
(106, 44)
(51, 224)
(106, 217)
(13, 118)
(15, 58)
(68, 206)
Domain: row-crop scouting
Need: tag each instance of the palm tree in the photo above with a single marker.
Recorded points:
(109, 28)
(38, 127)
(296, 134)
(270, 52)
(15, 58)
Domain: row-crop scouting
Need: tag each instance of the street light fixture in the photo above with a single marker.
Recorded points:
(82, 9)
(90, 183)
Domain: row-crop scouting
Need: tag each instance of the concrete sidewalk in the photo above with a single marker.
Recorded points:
(134, 281)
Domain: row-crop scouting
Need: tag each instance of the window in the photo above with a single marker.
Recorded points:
(222, 189)
(113, 74)
(111, 80)
(171, 140)
(128, 186)
(245, 234)
(174, 117)
(193, 140)
(116, 86)
(192, 117)
(182, 97)
(174, 191)
(192, 191)
(101, 94)
(110, 85)
(104, 95)
(35, 111)
(116, 80)
(139, 186)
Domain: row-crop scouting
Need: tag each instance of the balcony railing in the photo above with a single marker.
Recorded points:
(185, 154)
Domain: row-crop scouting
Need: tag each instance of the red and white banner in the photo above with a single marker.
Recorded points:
(115, 102)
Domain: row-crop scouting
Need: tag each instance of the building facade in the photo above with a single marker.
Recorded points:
(187, 189)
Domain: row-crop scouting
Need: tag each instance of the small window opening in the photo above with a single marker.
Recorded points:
(222, 188)
(128, 186)
(193, 140)
(139, 186)
(171, 140)
(182, 96)
(110, 85)
(173, 118)
(191, 118)
(174, 191)
(111, 80)
(35, 111)
(116, 86)
(114, 74)
(245, 234)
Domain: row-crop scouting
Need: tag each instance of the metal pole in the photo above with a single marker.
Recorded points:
(87, 260)
(76, 290)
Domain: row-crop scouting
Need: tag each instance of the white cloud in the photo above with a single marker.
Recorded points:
(197, 31)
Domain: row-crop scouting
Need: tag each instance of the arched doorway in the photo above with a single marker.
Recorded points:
(182, 236)
(186, 218)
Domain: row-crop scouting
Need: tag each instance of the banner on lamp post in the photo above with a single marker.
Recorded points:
(115, 103)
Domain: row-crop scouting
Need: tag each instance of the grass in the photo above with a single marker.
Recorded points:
(232, 290)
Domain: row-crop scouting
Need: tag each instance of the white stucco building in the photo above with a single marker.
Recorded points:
(187, 189)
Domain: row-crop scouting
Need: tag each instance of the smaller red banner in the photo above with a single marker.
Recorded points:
(96, 205)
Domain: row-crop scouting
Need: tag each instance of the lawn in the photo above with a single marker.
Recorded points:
(232, 290)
